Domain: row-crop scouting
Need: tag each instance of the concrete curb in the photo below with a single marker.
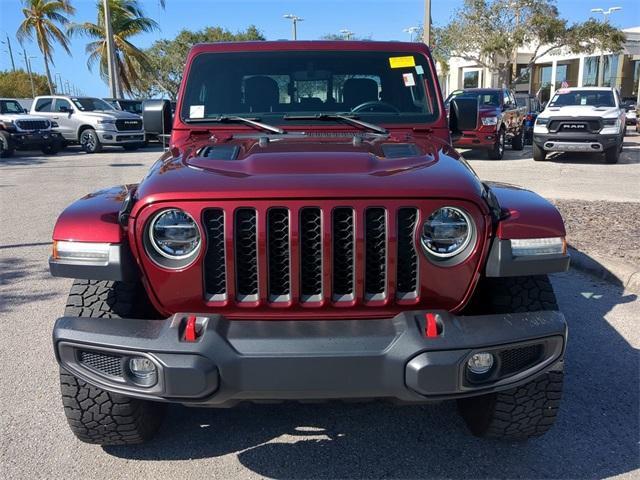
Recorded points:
(612, 270)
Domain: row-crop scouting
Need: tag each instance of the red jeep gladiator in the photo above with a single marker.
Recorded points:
(486, 118)
(309, 235)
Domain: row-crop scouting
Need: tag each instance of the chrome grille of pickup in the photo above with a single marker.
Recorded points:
(128, 125)
(32, 124)
(311, 255)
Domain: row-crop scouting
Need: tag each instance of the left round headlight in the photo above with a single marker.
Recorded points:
(174, 236)
(447, 232)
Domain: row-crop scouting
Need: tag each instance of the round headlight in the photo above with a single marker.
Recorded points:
(446, 232)
(174, 234)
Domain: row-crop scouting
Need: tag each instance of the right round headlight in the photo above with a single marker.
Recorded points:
(174, 238)
(447, 232)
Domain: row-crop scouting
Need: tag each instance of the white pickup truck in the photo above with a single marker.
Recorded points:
(589, 119)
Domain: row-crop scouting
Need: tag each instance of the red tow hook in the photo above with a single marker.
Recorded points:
(431, 326)
(190, 334)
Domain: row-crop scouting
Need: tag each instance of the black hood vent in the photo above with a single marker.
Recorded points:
(400, 150)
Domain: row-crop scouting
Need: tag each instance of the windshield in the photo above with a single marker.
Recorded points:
(374, 86)
(593, 98)
(489, 99)
(131, 106)
(10, 106)
(87, 104)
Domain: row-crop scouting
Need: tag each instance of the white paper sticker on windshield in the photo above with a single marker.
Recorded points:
(196, 111)
(419, 70)
(409, 80)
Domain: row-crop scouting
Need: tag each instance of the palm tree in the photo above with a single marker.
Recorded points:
(43, 19)
(127, 20)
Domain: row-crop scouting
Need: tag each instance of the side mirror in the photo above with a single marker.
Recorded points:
(156, 116)
(25, 110)
(65, 109)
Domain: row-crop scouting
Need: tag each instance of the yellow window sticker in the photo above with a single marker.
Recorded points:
(402, 62)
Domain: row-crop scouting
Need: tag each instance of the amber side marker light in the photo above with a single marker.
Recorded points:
(526, 247)
(89, 253)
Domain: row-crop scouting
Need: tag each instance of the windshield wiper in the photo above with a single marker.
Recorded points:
(252, 122)
(351, 119)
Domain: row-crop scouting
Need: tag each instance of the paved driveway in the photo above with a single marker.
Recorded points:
(596, 434)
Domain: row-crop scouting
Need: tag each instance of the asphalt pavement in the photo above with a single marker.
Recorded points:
(596, 434)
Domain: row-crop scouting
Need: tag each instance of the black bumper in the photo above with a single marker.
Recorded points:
(233, 361)
(35, 139)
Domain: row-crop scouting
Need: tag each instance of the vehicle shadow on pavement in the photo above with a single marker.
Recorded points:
(14, 269)
(595, 435)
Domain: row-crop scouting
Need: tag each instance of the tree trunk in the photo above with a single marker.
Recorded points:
(46, 69)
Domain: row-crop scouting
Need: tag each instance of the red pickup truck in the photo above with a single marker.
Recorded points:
(486, 118)
(309, 235)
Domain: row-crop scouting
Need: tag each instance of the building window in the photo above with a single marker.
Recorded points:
(590, 72)
(522, 73)
(471, 79)
(610, 71)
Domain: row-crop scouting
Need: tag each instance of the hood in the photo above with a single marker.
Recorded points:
(12, 117)
(312, 167)
(118, 114)
(580, 111)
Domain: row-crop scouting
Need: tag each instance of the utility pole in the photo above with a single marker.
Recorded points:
(411, 31)
(606, 13)
(27, 64)
(294, 23)
(426, 29)
(111, 61)
(8, 42)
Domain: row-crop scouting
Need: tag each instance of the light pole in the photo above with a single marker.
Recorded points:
(411, 31)
(426, 29)
(294, 23)
(59, 79)
(8, 43)
(346, 33)
(112, 70)
(27, 64)
(606, 13)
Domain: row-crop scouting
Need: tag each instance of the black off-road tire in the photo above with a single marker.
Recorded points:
(528, 410)
(612, 155)
(517, 142)
(7, 148)
(95, 415)
(89, 141)
(52, 148)
(497, 152)
(539, 155)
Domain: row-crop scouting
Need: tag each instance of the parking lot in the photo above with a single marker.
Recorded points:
(596, 434)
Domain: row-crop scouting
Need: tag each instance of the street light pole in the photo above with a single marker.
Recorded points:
(111, 61)
(411, 31)
(27, 64)
(294, 23)
(606, 13)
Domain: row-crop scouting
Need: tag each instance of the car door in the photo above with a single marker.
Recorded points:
(44, 108)
(63, 116)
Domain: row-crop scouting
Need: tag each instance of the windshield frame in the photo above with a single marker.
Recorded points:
(431, 94)
(577, 93)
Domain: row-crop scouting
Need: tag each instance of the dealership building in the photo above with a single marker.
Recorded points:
(561, 68)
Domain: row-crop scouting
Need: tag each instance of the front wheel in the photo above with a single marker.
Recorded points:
(497, 151)
(7, 148)
(539, 155)
(529, 410)
(612, 155)
(89, 141)
(51, 148)
(96, 415)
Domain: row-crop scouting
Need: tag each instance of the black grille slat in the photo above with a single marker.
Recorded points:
(32, 124)
(514, 360)
(128, 125)
(343, 252)
(375, 252)
(407, 275)
(278, 251)
(101, 362)
(310, 252)
(246, 251)
(214, 262)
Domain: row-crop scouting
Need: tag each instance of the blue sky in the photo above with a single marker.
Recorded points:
(379, 19)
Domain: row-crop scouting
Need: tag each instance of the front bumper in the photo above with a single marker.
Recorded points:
(233, 361)
(575, 142)
(482, 138)
(36, 139)
(116, 137)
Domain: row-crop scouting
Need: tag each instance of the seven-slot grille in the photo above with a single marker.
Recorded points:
(310, 254)
(32, 124)
(126, 125)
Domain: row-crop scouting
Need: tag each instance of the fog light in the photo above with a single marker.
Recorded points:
(142, 368)
(480, 363)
